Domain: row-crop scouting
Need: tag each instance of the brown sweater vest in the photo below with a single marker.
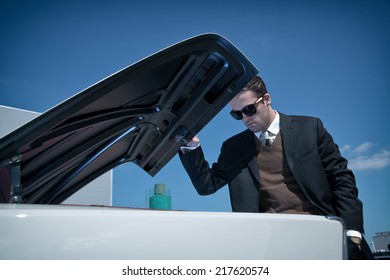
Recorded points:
(279, 193)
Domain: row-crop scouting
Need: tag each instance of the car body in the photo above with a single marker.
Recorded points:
(31, 231)
(142, 114)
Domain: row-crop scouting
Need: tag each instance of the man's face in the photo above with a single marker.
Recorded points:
(261, 119)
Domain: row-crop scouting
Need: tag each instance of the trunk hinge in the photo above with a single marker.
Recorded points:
(16, 187)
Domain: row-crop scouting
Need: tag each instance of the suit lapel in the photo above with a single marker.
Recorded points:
(254, 168)
(289, 136)
(249, 150)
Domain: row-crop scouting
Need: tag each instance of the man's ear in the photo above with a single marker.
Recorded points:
(267, 98)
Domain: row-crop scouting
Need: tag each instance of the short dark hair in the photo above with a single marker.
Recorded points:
(257, 85)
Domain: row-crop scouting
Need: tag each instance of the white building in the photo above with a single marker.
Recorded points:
(98, 192)
(382, 241)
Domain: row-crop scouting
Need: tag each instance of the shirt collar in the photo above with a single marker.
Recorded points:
(274, 126)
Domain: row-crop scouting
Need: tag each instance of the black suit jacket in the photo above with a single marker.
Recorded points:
(313, 157)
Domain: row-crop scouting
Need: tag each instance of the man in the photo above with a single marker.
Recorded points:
(280, 164)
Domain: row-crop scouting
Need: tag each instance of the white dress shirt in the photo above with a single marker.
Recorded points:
(272, 130)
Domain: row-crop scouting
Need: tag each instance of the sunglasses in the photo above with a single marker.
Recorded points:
(248, 110)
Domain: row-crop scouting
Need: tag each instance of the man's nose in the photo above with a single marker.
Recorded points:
(245, 117)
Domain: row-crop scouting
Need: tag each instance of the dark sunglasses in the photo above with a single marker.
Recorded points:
(248, 110)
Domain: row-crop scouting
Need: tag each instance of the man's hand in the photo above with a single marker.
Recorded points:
(194, 142)
(356, 240)
(191, 145)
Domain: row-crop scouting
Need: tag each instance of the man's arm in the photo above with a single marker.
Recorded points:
(342, 180)
(206, 180)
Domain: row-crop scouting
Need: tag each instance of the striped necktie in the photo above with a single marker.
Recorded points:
(267, 142)
(264, 138)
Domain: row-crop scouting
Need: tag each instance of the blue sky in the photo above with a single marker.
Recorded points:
(328, 59)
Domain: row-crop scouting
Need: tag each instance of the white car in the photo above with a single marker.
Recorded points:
(142, 114)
